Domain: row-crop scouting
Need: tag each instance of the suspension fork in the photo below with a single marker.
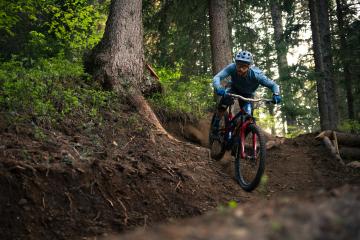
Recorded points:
(243, 128)
(229, 119)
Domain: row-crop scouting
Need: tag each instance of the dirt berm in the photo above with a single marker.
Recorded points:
(84, 178)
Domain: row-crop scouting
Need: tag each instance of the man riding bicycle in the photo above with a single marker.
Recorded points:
(245, 79)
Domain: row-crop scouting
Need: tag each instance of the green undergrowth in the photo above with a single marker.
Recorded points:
(48, 91)
(191, 96)
(349, 125)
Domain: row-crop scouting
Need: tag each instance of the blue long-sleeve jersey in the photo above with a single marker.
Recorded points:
(247, 85)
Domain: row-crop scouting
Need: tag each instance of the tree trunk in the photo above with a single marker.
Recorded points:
(280, 44)
(281, 51)
(320, 83)
(345, 62)
(323, 64)
(325, 43)
(220, 35)
(117, 61)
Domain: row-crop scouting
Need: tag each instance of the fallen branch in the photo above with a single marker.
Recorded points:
(354, 164)
(152, 72)
(341, 145)
(347, 139)
(332, 149)
(327, 133)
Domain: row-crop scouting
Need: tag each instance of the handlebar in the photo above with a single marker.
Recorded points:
(250, 99)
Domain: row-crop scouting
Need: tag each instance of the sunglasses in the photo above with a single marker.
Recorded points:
(242, 65)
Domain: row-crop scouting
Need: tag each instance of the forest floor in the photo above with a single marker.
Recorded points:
(92, 178)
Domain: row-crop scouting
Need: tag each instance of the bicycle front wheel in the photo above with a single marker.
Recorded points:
(249, 166)
(217, 137)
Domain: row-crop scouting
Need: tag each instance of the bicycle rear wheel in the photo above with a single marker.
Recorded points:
(249, 170)
(217, 137)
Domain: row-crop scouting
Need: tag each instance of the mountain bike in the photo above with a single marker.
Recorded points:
(244, 138)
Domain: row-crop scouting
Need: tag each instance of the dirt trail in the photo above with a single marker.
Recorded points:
(329, 216)
(307, 196)
(295, 167)
(83, 180)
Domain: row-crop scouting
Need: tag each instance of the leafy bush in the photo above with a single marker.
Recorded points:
(49, 90)
(294, 131)
(194, 96)
(35, 29)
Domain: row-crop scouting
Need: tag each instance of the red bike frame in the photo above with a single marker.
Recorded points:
(242, 137)
(243, 127)
(245, 124)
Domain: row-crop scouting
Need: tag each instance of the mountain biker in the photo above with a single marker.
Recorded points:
(245, 79)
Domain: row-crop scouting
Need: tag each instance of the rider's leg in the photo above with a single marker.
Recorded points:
(247, 107)
(218, 116)
(222, 106)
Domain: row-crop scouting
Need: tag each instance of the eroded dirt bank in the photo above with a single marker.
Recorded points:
(84, 179)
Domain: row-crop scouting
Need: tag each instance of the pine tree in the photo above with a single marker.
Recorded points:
(323, 64)
(117, 61)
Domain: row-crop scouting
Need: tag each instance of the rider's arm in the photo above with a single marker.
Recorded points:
(265, 81)
(223, 74)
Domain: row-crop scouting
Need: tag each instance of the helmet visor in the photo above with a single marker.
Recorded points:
(241, 62)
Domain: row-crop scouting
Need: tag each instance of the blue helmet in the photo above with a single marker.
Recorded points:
(244, 56)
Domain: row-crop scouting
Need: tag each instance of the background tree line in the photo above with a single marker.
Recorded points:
(187, 42)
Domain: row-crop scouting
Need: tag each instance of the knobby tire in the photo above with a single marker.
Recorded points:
(240, 163)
